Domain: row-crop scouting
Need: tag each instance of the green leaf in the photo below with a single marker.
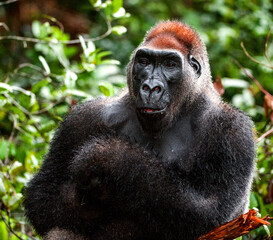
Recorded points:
(40, 30)
(70, 79)
(110, 61)
(106, 88)
(89, 67)
(14, 201)
(267, 230)
(32, 96)
(4, 148)
(16, 168)
(88, 47)
(236, 83)
(3, 101)
(2, 187)
(121, 13)
(253, 203)
(31, 162)
(5, 88)
(119, 30)
(37, 86)
(36, 28)
(117, 4)
(103, 54)
(45, 65)
(77, 93)
(48, 126)
(58, 49)
(95, 3)
(4, 234)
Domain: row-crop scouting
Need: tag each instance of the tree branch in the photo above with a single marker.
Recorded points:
(265, 135)
(68, 42)
(237, 227)
(253, 59)
(8, 2)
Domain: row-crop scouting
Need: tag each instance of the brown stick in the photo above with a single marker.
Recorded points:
(237, 227)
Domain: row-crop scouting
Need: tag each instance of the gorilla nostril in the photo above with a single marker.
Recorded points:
(146, 87)
(157, 89)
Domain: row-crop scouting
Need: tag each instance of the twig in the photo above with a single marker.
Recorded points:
(25, 111)
(266, 47)
(265, 135)
(8, 226)
(24, 65)
(237, 227)
(8, 2)
(10, 138)
(250, 76)
(253, 59)
(68, 42)
(50, 106)
(4, 26)
(53, 19)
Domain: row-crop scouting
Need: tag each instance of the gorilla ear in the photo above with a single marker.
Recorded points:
(196, 65)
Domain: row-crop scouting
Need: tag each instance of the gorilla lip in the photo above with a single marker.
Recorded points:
(151, 110)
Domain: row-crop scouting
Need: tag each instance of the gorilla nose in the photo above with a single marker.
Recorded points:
(146, 88)
(152, 89)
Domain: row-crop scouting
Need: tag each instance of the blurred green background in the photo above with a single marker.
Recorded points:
(43, 74)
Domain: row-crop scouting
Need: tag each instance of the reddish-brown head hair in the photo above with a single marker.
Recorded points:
(172, 35)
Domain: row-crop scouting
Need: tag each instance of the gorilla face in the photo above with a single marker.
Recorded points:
(155, 73)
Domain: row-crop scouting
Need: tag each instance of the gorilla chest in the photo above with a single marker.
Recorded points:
(177, 142)
(173, 145)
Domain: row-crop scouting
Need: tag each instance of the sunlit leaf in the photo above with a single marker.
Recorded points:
(89, 67)
(2, 187)
(119, 30)
(95, 3)
(110, 61)
(106, 88)
(117, 4)
(267, 230)
(4, 87)
(120, 13)
(4, 234)
(40, 30)
(77, 93)
(15, 200)
(16, 168)
(45, 65)
(236, 83)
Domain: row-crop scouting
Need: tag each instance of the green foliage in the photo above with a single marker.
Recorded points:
(34, 98)
(41, 80)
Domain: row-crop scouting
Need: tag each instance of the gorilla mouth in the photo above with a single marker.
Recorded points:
(152, 111)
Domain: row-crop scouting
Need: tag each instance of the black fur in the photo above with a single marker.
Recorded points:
(108, 177)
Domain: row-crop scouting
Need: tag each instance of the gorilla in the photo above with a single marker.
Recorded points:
(166, 160)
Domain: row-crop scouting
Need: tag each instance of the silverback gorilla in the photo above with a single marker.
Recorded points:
(168, 160)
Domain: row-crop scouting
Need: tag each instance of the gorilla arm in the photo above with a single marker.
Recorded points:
(162, 197)
(91, 177)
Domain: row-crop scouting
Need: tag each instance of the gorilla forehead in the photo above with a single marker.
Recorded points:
(159, 53)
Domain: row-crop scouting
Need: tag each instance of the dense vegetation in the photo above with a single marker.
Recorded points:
(44, 71)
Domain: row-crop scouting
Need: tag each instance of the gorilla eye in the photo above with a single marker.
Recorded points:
(196, 65)
(144, 61)
(170, 64)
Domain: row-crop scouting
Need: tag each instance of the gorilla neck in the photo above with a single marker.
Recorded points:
(154, 127)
